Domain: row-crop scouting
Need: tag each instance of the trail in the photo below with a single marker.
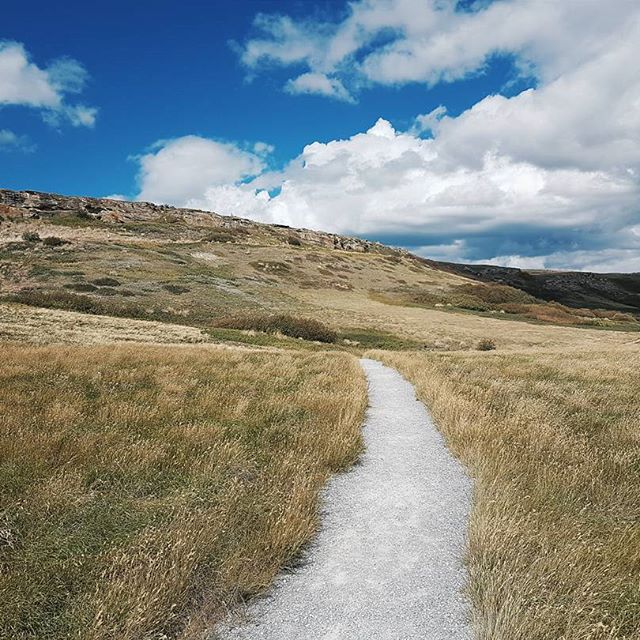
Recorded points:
(386, 564)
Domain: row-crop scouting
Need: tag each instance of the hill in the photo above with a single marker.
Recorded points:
(180, 266)
(616, 291)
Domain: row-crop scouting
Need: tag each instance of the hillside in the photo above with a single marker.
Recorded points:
(179, 266)
(616, 291)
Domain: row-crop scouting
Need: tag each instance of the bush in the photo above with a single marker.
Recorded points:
(219, 236)
(291, 326)
(106, 282)
(31, 236)
(175, 288)
(494, 294)
(107, 291)
(54, 241)
(486, 344)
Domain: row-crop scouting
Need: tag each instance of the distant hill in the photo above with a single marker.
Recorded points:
(578, 289)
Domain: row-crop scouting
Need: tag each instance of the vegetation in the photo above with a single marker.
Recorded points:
(53, 241)
(498, 298)
(83, 303)
(105, 281)
(34, 325)
(31, 236)
(294, 327)
(143, 490)
(552, 442)
(486, 344)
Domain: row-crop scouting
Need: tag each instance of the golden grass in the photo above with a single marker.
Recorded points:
(146, 489)
(448, 331)
(553, 443)
(20, 323)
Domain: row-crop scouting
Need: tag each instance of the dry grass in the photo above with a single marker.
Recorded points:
(145, 489)
(20, 323)
(554, 446)
(447, 331)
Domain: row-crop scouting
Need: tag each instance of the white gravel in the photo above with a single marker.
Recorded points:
(386, 564)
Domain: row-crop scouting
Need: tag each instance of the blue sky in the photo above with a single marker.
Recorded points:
(480, 151)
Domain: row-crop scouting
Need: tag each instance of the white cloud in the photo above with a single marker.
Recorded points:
(402, 188)
(603, 261)
(318, 83)
(82, 116)
(178, 170)
(22, 82)
(548, 177)
(429, 41)
(427, 122)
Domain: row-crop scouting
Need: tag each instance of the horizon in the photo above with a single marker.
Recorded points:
(500, 132)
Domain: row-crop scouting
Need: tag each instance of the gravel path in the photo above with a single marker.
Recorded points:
(386, 564)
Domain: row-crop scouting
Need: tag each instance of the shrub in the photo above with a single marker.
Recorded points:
(219, 236)
(106, 282)
(31, 236)
(175, 288)
(15, 246)
(496, 293)
(54, 241)
(107, 291)
(291, 326)
(486, 344)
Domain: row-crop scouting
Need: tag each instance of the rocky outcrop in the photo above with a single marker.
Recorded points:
(34, 204)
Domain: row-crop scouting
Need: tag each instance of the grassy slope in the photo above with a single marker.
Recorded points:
(142, 488)
(188, 273)
(553, 445)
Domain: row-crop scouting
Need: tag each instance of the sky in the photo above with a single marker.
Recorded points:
(503, 132)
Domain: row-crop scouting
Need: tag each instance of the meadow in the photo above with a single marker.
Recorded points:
(553, 445)
(144, 490)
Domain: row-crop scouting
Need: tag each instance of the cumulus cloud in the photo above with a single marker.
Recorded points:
(548, 177)
(22, 82)
(400, 188)
(179, 170)
(429, 41)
